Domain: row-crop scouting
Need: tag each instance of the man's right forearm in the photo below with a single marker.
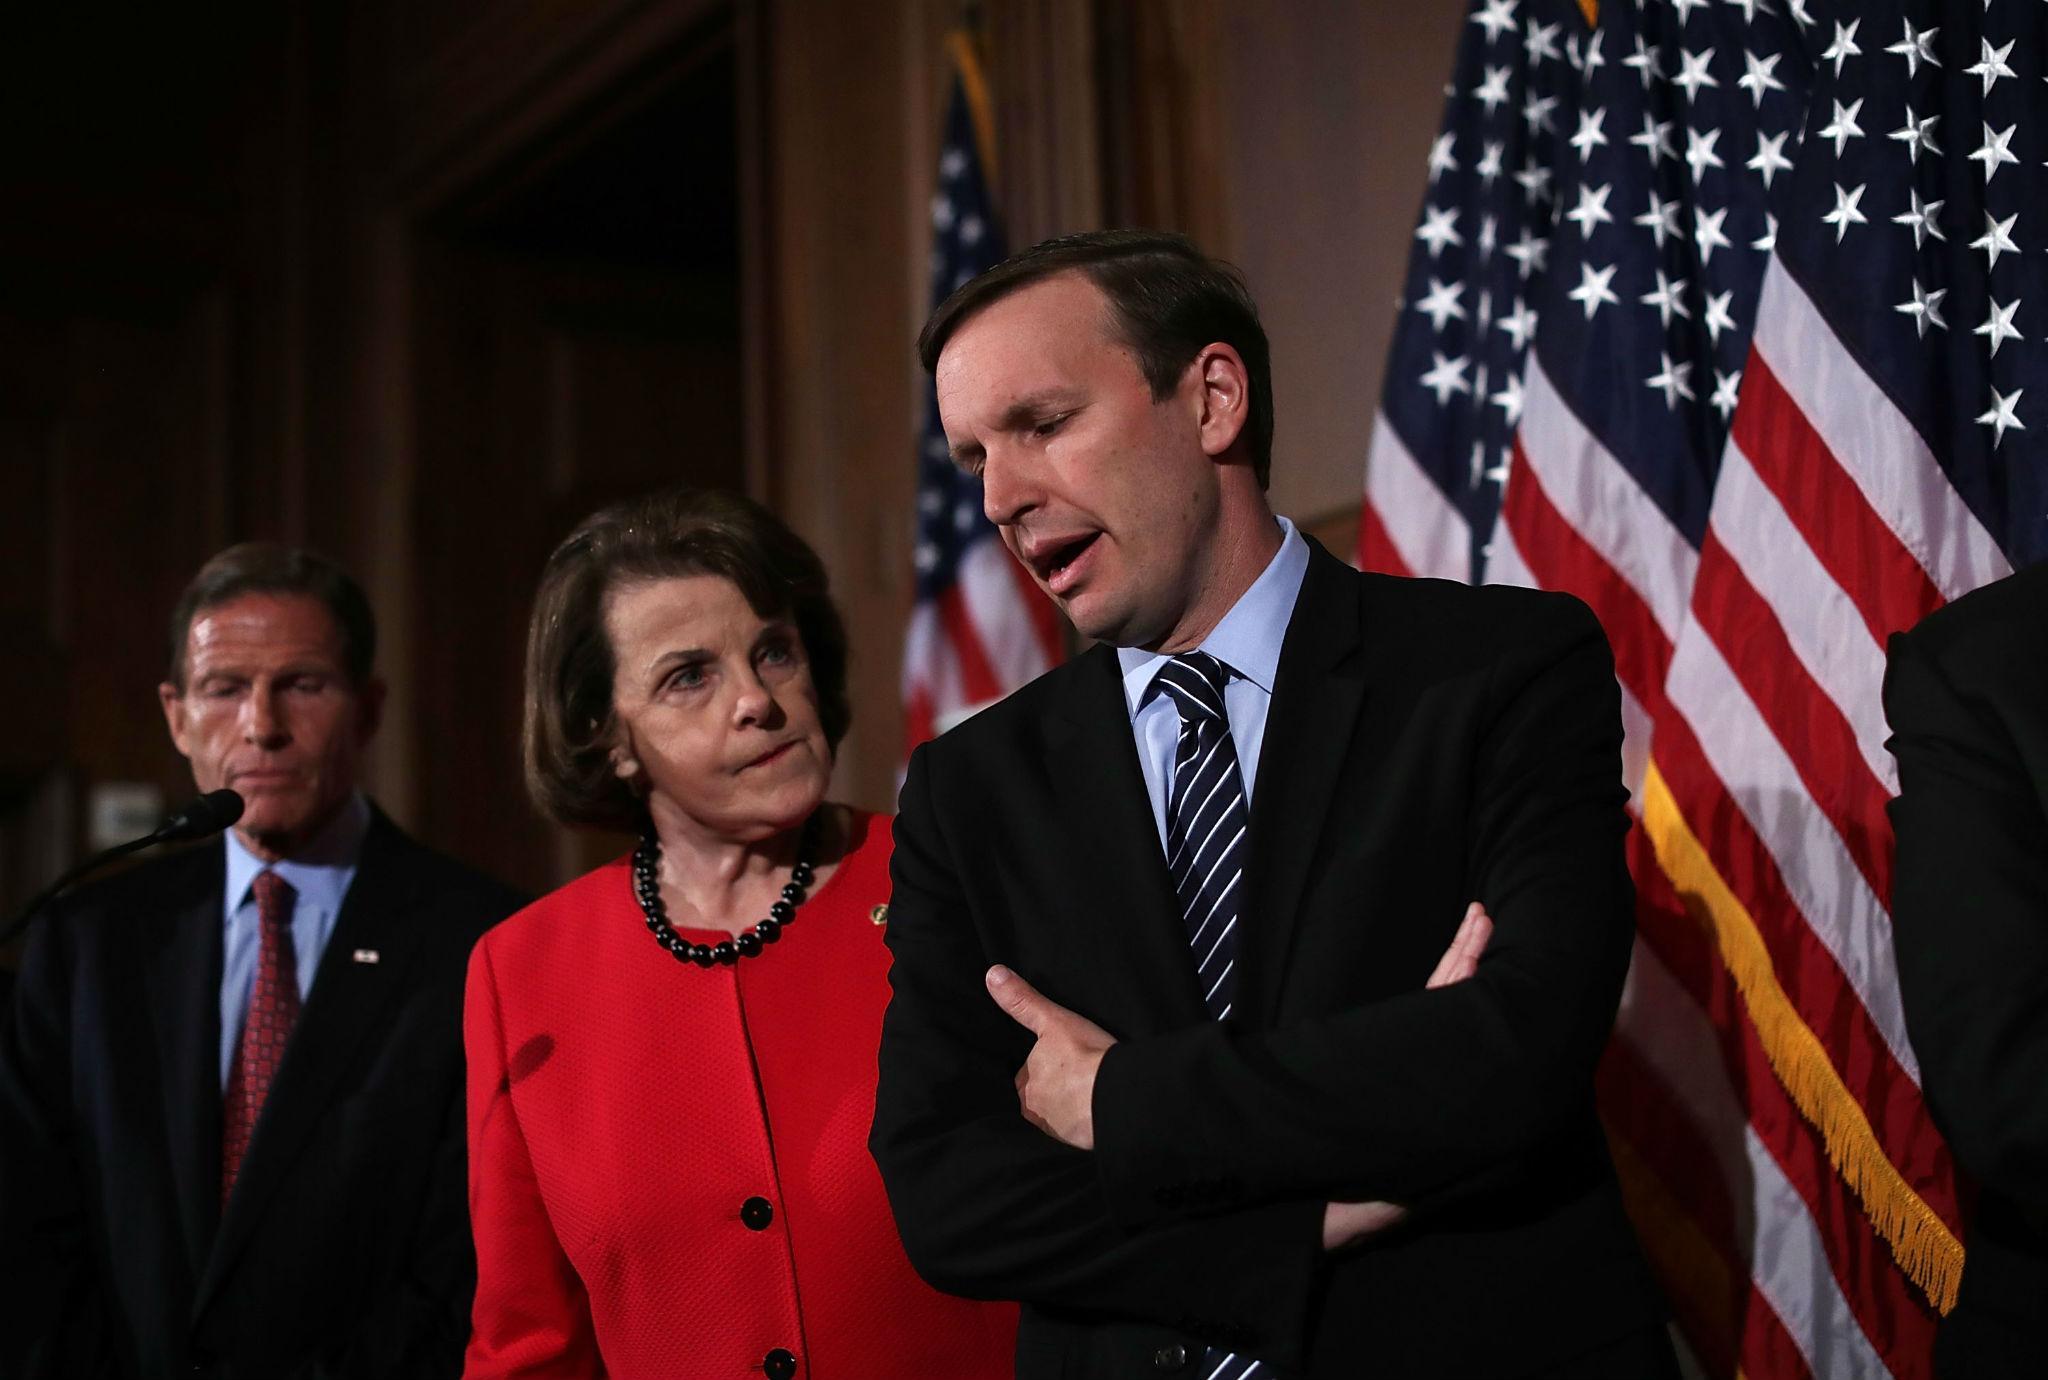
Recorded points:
(989, 1206)
(994, 1212)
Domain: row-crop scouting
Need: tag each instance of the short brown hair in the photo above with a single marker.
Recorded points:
(1168, 298)
(266, 567)
(567, 734)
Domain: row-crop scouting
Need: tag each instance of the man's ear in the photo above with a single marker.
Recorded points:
(1224, 397)
(173, 701)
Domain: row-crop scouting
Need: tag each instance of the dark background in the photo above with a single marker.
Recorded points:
(421, 284)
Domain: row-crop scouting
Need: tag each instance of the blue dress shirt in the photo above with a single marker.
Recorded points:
(1247, 640)
(320, 875)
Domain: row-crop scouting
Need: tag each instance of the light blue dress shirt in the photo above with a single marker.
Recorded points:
(320, 875)
(1248, 642)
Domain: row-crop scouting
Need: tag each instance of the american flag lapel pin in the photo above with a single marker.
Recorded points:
(368, 956)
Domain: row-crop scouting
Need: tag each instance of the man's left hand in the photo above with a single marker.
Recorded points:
(1056, 1086)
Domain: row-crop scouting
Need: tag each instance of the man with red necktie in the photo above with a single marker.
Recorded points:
(231, 1082)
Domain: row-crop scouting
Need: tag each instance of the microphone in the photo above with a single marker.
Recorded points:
(209, 814)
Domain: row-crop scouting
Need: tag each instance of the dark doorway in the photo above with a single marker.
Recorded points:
(578, 339)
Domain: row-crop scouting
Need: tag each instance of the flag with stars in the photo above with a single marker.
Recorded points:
(1757, 387)
(979, 628)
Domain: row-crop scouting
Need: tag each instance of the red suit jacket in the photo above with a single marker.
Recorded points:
(668, 1166)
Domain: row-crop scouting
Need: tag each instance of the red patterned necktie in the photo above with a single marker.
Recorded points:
(273, 1009)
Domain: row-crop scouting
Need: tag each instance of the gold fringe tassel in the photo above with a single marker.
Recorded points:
(1926, 1250)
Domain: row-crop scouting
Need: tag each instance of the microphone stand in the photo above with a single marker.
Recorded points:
(191, 822)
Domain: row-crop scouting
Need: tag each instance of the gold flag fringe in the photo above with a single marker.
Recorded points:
(1926, 1250)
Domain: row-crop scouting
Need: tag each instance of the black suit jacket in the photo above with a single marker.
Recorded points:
(1427, 744)
(345, 1248)
(1966, 692)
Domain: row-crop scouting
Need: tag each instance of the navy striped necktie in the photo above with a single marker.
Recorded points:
(1206, 823)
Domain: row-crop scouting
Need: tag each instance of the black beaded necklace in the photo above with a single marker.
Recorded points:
(745, 944)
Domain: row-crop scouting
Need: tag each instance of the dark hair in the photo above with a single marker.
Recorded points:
(264, 567)
(567, 735)
(1168, 300)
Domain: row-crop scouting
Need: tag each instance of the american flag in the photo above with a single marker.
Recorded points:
(1727, 316)
(980, 628)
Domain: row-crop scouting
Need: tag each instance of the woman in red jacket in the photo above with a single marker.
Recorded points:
(672, 1058)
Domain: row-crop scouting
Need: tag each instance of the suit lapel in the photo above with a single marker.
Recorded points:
(1134, 916)
(1321, 683)
(183, 982)
(348, 1001)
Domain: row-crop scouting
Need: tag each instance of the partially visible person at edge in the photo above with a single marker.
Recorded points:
(1966, 694)
(672, 1058)
(231, 1084)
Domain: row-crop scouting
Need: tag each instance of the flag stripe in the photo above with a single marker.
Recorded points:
(1872, 440)
(1727, 1323)
(1044, 621)
(1817, 619)
(979, 628)
(1858, 1056)
(1566, 561)
(1560, 558)
(1747, 767)
(1800, 715)
(1560, 555)
(979, 682)
(1001, 614)
(1602, 502)
(1924, 1244)
(1424, 532)
(1862, 555)
(1637, 1106)
(1724, 412)
(1376, 547)
(1698, 1275)
(1892, 1314)
(1791, 1266)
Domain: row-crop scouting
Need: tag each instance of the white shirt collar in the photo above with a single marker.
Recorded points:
(320, 872)
(1248, 638)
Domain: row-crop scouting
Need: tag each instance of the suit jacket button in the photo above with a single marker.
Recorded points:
(1173, 1357)
(757, 1213)
(779, 1364)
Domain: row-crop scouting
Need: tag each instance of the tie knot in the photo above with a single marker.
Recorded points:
(1196, 680)
(274, 896)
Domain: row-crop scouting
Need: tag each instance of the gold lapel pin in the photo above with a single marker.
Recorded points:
(368, 956)
(880, 915)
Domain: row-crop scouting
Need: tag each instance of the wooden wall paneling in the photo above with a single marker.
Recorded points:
(136, 510)
(1042, 60)
(1160, 69)
(381, 470)
(479, 478)
(1330, 109)
(545, 390)
(547, 366)
(35, 819)
(753, 122)
(479, 86)
(268, 279)
(836, 154)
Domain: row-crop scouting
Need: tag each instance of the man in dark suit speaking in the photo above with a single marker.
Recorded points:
(231, 1084)
(1163, 1059)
